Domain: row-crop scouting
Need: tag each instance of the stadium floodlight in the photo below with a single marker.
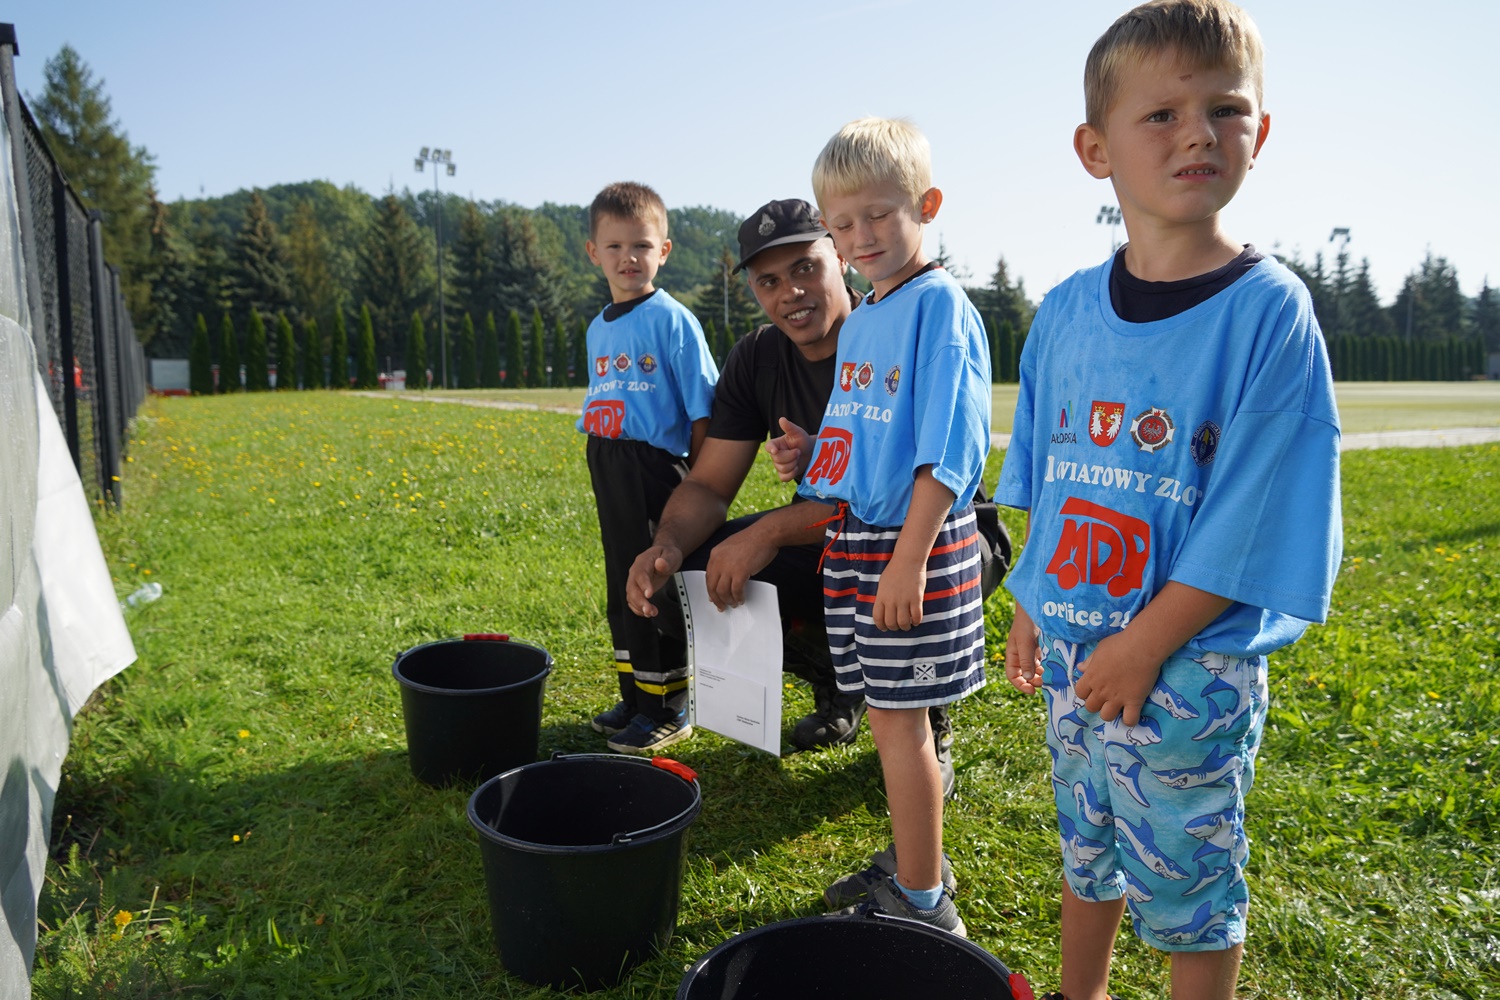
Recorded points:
(434, 155)
(1110, 214)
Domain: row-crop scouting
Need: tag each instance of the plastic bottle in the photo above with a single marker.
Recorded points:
(144, 594)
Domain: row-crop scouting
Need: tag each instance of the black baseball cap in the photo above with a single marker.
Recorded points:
(790, 220)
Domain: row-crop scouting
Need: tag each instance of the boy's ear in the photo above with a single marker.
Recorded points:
(592, 251)
(932, 200)
(1088, 143)
(1260, 136)
(666, 248)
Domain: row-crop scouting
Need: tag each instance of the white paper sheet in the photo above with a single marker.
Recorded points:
(735, 658)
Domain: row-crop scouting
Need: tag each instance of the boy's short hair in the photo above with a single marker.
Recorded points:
(873, 150)
(628, 200)
(1207, 33)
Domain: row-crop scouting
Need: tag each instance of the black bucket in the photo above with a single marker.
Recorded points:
(583, 862)
(850, 958)
(473, 706)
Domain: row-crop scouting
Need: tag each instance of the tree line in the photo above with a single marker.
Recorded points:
(313, 260)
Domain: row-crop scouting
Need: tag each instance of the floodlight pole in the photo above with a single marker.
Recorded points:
(1340, 233)
(438, 158)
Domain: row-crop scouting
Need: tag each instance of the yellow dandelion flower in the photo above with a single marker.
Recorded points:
(123, 918)
(236, 838)
(243, 734)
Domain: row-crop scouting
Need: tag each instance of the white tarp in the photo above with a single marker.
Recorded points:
(61, 632)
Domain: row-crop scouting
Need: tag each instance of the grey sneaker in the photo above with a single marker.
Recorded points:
(833, 720)
(856, 888)
(645, 736)
(886, 899)
(613, 720)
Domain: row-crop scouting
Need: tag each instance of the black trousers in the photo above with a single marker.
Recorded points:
(632, 481)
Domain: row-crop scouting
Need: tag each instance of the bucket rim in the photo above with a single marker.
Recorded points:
(695, 970)
(547, 664)
(646, 835)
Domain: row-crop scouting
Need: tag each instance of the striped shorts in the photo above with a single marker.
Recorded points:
(935, 663)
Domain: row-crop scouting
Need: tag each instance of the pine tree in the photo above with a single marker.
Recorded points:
(416, 354)
(166, 328)
(367, 370)
(581, 354)
(490, 365)
(286, 354)
(395, 279)
(558, 352)
(473, 269)
(256, 360)
(200, 361)
(229, 356)
(338, 353)
(1486, 318)
(536, 365)
(468, 361)
(312, 356)
(515, 358)
(258, 272)
(308, 254)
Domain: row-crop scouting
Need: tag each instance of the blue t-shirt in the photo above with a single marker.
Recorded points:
(650, 375)
(913, 389)
(1202, 448)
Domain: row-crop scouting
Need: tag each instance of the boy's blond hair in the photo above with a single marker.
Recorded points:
(628, 200)
(871, 151)
(1203, 33)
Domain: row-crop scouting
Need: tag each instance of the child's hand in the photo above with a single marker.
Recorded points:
(1023, 658)
(1116, 681)
(790, 452)
(898, 599)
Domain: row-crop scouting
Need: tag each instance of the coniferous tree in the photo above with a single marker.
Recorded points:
(558, 352)
(286, 354)
(312, 356)
(536, 367)
(200, 361)
(258, 272)
(581, 353)
(308, 261)
(256, 359)
(711, 337)
(490, 376)
(468, 361)
(338, 352)
(416, 354)
(229, 356)
(515, 359)
(473, 267)
(367, 370)
(166, 328)
(1486, 318)
(395, 279)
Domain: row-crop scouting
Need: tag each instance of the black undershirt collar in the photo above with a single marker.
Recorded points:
(615, 310)
(1137, 301)
(931, 265)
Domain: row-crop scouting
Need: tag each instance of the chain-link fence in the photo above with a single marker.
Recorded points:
(94, 367)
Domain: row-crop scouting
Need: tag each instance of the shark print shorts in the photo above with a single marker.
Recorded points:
(1156, 812)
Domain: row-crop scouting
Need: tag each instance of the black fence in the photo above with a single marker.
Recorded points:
(87, 352)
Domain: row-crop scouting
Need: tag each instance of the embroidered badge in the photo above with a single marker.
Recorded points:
(1152, 429)
(924, 673)
(601, 367)
(865, 375)
(1105, 420)
(622, 362)
(893, 380)
(846, 376)
(647, 363)
(767, 225)
(1205, 442)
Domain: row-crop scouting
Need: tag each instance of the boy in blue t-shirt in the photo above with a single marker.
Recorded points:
(651, 387)
(1176, 447)
(900, 452)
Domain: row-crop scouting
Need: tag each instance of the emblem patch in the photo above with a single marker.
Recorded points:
(893, 380)
(767, 225)
(601, 367)
(647, 363)
(1205, 443)
(1105, 421)
(622, 362)
(846, 376)
(1152, 429)
(865, 375)
(924, 673)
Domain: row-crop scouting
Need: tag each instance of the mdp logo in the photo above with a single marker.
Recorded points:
(604, 418)
(1100, 546)
(832, 458)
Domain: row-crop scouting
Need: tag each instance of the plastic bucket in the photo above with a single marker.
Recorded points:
(858, 958)
(473, 706)
(583, 863)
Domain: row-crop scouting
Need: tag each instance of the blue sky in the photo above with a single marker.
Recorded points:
(1375, 106)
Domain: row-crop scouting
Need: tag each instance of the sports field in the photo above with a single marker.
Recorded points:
(237, 817)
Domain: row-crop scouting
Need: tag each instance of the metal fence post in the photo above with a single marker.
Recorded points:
(12, 99)
(104, 437)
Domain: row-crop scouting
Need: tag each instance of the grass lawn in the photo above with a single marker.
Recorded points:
(237, 817)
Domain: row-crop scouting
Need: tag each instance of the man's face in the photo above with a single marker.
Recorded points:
(801, 288)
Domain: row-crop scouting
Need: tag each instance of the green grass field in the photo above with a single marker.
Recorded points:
(237, 817)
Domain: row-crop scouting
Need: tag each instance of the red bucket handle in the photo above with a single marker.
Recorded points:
(676, 767)
(486, 636)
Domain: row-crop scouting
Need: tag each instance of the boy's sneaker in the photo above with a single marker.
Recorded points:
(646, 736)
(856, 888)
(613, 720)
(833, 720)
(886, 899)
